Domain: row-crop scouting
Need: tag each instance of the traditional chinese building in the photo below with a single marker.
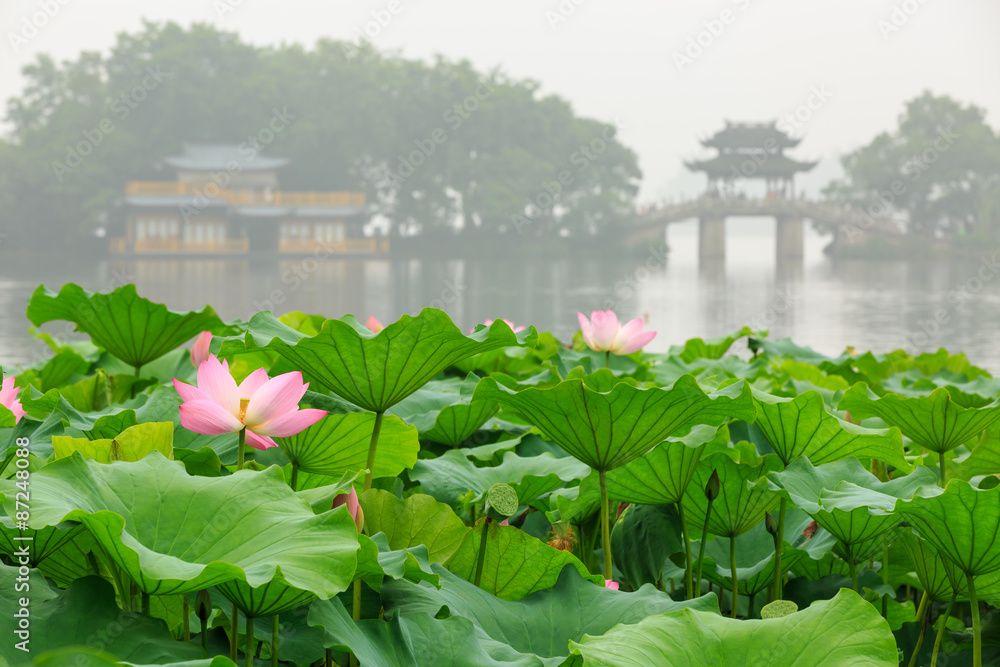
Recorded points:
(748, 151)
(225, 200)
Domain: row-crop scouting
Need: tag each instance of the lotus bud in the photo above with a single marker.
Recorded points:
(353, 506)
(613, 585)
(199, 351)
(771, 523)
(203, 607)
(712, 488)
(373, 324)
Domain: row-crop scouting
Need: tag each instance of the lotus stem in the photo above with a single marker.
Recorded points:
(136, 380)
(204, 638)
(356, 615)
(689, 562)
(701, 547)
(294, 482)
(885, 575)
(941, 463)
(732, 568)
(923, 616)
(607, 359)
(750, 605)
(853, 566)
(481, 558)
(329, 657)
(605, 525)
(145, 603)
(234, 637)
(248, 657)
(977, 639)
(241, 452)
(275, 627)
(940, 633)
(186, 612)
(371, 450)
(779, 543)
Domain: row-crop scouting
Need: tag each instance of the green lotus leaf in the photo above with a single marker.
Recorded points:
(642, 538)
(744, 496)
(606, 430)
(515, 563)
(59, 552)
(846, 499)
(339, 443)
(418, 520)
(661, 476)
(132, 444)
(247, 526)
(376, 371)
(802, 427)
(376, 561)
(453, 474)
(843, 632)
(938, 577)
(274, 597)
(444, 411)
(416, 639)
(936, 421)
(951, 519)
(132, 328)
(579, 503)
(85, 614)
(543, 622)
(712, 348)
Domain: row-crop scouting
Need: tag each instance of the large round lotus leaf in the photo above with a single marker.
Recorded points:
(173, 533)
(961, 522)
(661, 476)
(846, 499)
(376, 371)
(132, 328)
(843, 632)
(60, 552)
(607, 429)
(543, 622)
(936, 422)
(444, 411)
(802, 427)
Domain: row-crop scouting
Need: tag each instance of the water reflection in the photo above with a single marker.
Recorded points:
(919, 305)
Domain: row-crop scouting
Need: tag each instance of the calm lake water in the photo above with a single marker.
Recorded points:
(822, 303)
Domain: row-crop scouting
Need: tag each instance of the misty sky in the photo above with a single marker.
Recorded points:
(619, 59)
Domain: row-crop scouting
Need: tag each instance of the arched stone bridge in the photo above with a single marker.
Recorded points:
(848, 224)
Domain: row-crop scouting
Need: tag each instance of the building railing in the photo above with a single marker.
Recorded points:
(211, 191)
(119, 245)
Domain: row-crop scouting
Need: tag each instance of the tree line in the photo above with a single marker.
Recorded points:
(438, 146)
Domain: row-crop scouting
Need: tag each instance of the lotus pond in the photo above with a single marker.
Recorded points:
(298, 490)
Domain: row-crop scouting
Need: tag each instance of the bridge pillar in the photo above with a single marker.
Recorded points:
(711, 238)
(789, 237)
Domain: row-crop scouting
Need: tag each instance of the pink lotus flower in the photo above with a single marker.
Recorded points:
(507, 322)
(603, 333)
(374, 324)
(8, 398)
(264, 407)
(199, 351)
(613, 585)
(353, 506)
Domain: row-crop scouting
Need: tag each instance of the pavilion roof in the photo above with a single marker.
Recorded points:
(216, 157)
(750, 135)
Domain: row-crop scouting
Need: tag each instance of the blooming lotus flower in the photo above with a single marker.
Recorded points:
(613, 585)
(507, 322)
(8, 398)
(265, 407)
(374, 324)
(199, 351)
(353, 506)
(603, 333)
